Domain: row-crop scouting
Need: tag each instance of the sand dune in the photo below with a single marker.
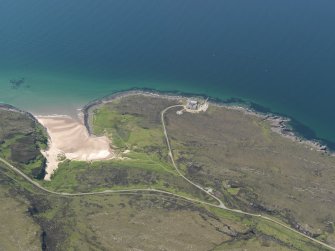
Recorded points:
(69, 137)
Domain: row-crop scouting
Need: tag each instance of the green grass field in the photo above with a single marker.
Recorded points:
(121, 222)
(232, 158)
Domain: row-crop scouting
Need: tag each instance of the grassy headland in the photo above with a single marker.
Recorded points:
(21, 139)
(221, 149)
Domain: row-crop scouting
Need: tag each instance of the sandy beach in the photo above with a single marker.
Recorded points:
(70, 139)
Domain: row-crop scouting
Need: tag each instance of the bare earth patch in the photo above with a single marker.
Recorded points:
(70, 139)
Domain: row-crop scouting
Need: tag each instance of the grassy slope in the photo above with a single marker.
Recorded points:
(139, 221)
(18, 231)
(136, 128)
(122, 222)
(255, 169)
(20, 142)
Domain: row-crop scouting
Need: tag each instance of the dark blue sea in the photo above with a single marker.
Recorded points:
(57, 55)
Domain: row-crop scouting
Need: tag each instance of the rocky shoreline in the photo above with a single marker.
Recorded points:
(11, 108)
(279, 124)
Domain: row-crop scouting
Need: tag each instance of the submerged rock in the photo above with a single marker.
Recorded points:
(16, 83)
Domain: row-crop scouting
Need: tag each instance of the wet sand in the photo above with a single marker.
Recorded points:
(69, 139)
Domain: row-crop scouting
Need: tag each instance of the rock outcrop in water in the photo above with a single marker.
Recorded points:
(17, 83)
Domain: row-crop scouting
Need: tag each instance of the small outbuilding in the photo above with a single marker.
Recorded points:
(192, 105)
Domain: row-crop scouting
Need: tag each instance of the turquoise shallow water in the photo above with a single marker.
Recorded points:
(279, 54)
